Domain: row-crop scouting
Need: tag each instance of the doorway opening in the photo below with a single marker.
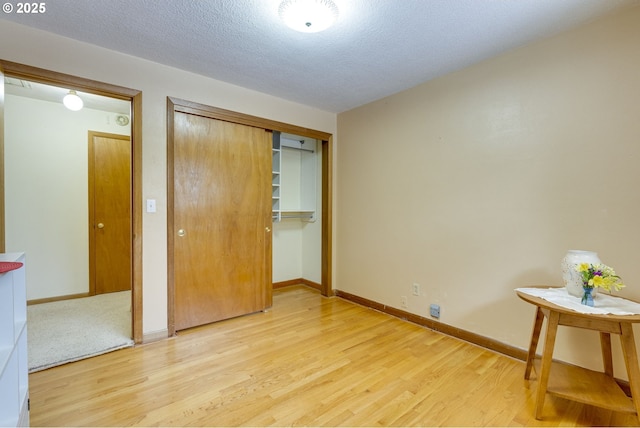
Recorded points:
(133, 99)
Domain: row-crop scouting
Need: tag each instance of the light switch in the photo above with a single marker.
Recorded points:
(151, 205)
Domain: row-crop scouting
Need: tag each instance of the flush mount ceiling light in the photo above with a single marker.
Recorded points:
(72, 101)
(308, 16)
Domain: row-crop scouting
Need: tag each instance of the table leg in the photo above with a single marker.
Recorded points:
(533, 346)
(631, 361)
(547, 354)
(607, 360)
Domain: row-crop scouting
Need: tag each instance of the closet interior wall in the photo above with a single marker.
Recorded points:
(297, 203)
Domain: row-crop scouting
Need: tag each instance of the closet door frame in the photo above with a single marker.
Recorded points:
(175, 105)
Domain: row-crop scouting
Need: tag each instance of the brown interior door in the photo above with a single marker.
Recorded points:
(222, 219)
(109, 213)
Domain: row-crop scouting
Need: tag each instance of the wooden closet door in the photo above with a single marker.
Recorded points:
(222, 219)
(109, 213)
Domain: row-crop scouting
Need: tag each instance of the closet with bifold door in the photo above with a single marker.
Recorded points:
(243, 213)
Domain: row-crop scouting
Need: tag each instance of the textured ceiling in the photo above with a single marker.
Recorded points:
(375, 49)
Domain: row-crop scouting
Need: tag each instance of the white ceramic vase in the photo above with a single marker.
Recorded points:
(572, 279)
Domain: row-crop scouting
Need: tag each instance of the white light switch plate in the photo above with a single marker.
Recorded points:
(151, 205)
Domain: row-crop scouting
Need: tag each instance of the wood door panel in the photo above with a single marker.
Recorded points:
(222, 201)
(110, 213)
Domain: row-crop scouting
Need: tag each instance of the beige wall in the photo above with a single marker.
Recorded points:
(40, 49)
(478, 182)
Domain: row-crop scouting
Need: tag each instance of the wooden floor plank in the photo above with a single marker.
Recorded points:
(310, 361)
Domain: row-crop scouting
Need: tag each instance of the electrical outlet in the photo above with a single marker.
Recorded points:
(403, 301)
(415, 288)
(434, 310)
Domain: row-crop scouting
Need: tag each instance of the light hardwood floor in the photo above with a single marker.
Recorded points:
(309, 360)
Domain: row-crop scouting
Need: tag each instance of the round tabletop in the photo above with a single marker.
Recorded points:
(542, 303)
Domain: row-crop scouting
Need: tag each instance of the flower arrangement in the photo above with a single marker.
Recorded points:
(599, 275)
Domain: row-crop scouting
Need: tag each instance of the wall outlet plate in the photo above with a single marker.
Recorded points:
(403, 301)
(434, 310)
(415, 289)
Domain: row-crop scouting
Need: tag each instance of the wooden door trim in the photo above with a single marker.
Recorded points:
(176, 105)
(183, 106)
(40, 75)
(327, 217)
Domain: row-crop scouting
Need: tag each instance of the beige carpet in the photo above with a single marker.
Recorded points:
(71, 330)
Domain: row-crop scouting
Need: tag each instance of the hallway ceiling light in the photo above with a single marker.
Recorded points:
(72, 101)
(308, 16)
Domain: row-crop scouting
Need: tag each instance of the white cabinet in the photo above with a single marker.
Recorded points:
(294, 177)
(14, 369)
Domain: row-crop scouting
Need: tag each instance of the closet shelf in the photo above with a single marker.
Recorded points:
(294, 178)
(308, 215)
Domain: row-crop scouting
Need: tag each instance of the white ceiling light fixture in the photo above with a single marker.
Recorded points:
(308, 16)
(72, 101)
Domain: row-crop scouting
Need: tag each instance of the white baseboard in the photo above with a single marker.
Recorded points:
(155, 336)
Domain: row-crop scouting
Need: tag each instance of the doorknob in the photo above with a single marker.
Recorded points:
(267, 229)
(100, 225)
(181, 232)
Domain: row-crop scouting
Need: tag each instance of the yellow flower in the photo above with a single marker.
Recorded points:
(596, 281)
(601, 276)
(583, 267)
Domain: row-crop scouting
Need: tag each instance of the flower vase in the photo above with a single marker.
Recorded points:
(587, 297)
(572, 278)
